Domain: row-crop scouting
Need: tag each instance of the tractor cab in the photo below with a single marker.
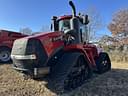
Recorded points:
(64, 23)
(74, 27)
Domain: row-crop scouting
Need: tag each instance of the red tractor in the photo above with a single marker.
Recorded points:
(62, 55)
(6, 42)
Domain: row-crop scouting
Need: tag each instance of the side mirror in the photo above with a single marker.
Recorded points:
(85, 19)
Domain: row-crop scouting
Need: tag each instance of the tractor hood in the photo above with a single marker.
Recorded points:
(34, 51)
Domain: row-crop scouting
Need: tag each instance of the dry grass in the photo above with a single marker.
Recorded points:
(118, 56)
(112, 83)
(119, 65)
(13, 84)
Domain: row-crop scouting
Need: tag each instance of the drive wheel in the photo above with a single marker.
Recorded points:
(103, 63)
(70, 73)
(5, 54)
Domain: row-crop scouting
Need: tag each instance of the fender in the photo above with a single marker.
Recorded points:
(5, 46)
(80, 48)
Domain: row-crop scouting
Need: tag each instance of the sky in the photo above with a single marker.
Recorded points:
(16, 14)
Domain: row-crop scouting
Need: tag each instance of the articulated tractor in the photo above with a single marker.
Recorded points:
(64, 55)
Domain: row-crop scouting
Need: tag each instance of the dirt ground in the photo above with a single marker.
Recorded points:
(112, 83)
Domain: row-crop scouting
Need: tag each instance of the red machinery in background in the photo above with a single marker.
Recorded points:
(64, 55)
(6, 42)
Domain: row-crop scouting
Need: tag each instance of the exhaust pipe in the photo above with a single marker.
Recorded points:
(73, 8)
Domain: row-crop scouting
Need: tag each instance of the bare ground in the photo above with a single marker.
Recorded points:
(112, 83)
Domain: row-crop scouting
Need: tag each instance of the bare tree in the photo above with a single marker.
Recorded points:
(119, 23)
(45, 28)
(108, 40)
(96, 22)
(119, 26)
(26, 31)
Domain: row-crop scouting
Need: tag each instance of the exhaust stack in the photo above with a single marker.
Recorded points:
(73, 8)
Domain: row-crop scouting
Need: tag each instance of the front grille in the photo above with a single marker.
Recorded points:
(26, 47)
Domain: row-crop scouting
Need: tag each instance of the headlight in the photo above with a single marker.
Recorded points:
(23, 57)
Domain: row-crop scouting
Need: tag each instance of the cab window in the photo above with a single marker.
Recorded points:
(64, 25)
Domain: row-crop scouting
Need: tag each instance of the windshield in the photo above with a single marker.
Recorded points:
(64, 24)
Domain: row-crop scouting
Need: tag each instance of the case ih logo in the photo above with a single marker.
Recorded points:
(59, 38)
(52, 39)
